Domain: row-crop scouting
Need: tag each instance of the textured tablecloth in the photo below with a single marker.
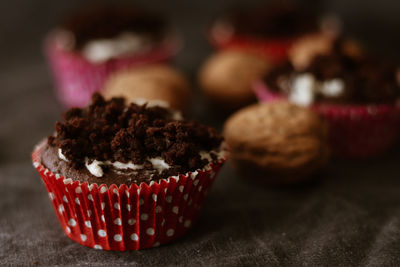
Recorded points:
(350, 217)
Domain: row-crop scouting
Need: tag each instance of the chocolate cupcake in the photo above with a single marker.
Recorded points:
(93, 43)
(268, 30)
(357, 95)
(127, 177)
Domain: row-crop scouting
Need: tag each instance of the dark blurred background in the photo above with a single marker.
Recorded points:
(351, 218)
(24, 77)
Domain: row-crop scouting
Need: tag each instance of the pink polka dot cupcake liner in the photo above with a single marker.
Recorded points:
(127, 217)
(355, 131)
(76, 78)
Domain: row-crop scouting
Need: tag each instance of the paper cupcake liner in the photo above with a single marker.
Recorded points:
(355, 131)
(273, 49)
(127, 217)
(76, 78)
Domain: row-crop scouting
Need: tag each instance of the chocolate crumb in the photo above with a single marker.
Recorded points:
(112, 131)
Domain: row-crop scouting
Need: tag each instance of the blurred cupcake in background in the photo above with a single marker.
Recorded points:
(269, 30)
(93, 43)
(155, 83)
(357, 95)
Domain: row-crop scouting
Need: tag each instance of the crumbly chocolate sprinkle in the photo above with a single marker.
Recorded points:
(109, 21)
(366, 79)
(112, 131)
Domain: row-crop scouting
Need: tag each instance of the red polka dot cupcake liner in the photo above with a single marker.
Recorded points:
(127, 217)
(76, 78)
(273, 49)
(355, 131)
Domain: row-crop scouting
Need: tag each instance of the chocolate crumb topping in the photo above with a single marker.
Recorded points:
(112, 131)
(366, 79)
(109, 21)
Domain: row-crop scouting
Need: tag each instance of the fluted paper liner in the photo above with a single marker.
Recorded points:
(127, 217)
(355, 131)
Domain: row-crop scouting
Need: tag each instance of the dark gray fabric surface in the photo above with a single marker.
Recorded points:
(350, 217)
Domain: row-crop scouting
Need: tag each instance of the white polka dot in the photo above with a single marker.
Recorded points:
(78, 190)
(180, 219)
(170, 232)
(128, 207)
(156, 244)
(68, 230)
(36, 164)
(88, 224)
(51, 196)
(77, 201)
(168, 199)
(83, 237)
(200, 188)
(101, 233)
(154, 196)
(158, 209)
(144, 217)
(185, 196)
(103, 189)
(165, 190)
(102, 218)
(118, 238)
(97, 247)
(103, 205)
(138, 191)
(196, 182)
(141, 202)
(58, 176)
(118, 221)
(131, 221)
(150, 231)
(181, 188)
(175, 209)
(163, 222)
(187, 223)
(91, 187)
(115, 191)
(71, 222)
(61, 208)
(117, 206)
(89, 213)
(127, 193)
(65, 199)
(90, 197)
(134, 237)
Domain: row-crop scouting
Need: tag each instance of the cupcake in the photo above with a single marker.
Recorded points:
(90, 45)
(127, 177)
(277, 142)
(154, 82)
(357, 96)
(226, 77)
(307, 47)
(268, 30)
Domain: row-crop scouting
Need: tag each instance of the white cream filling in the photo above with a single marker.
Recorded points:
(158, 163)
(101, 50)
(95, 167)
(305, 86)
(61, 155)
